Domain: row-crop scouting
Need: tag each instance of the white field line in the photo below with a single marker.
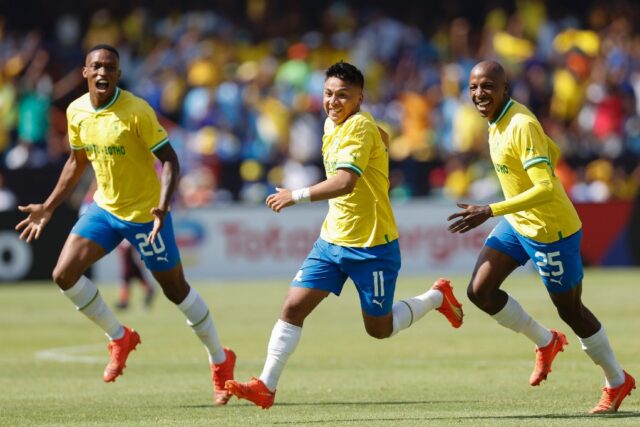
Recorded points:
(73, 354)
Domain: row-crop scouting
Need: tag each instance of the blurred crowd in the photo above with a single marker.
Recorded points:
(241, 93)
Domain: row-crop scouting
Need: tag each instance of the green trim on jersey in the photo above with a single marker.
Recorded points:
(503, 112)
(116, 95)
(160, 144)
(535, 161)
(351, 166)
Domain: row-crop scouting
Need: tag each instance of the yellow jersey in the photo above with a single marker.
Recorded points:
(362, 218)
(517, 142)
(119, 139)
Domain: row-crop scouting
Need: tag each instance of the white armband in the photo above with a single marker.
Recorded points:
(301, 195)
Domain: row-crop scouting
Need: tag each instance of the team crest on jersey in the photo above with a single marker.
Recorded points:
(330, 167)
(501, 168)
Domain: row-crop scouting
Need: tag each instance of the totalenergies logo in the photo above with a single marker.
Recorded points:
(268, 241)
(189, 233)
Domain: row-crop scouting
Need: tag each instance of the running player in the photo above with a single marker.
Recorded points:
(119, 134)
(540, 224)
(358, 239)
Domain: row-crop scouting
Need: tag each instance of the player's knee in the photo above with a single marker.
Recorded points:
(475, 296)
(293, 313)
(173, 285)
(479, 296)
(378, 334)
(63, 278)
(569, 312)
(175, 294)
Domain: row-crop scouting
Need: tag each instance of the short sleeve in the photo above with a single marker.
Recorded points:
(73, 130)
(149, 129)
(532, 145)
(355, 148)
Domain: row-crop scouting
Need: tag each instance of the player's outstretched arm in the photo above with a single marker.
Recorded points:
(469, 217)
(340, 184)
(168, 182)
(40, 214)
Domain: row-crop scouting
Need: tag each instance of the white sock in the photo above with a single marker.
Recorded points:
(514, 317)
(283, 342)
(599, 350)
(87, 299)
(409, 311)
(200, 320)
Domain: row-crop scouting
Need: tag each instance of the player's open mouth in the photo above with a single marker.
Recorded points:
(102, 84)
(483, 105)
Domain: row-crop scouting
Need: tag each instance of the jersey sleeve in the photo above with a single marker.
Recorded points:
(540, 192)
(532, 145)
(73, 130)
(355, 148)
(149, 129)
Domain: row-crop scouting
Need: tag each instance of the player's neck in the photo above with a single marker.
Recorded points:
(504, 105)
(99, 102)
(346, 118)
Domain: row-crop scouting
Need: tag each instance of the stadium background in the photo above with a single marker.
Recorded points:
(238, 85)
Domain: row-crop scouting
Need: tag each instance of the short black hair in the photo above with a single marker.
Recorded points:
(105, 47)
(346, 72)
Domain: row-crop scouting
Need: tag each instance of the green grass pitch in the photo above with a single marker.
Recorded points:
(51, 362)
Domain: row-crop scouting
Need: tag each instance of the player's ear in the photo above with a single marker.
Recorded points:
(84, 72)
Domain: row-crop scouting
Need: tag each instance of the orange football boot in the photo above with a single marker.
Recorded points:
(612, 397)
(545, 356)
(254, 391)
(220, 374)
(118, 352)
(450, 307)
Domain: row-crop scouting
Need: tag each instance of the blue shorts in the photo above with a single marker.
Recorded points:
(559, 263)
(374, 271)
(107, 230)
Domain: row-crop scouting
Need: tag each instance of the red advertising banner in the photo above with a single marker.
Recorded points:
(606, 233)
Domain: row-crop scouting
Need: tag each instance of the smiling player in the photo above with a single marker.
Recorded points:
(119, 134)
(358, 239)
(539, 223)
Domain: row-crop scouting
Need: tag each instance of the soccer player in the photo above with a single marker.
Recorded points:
(119, 134)
(540, 224)
(358, 239)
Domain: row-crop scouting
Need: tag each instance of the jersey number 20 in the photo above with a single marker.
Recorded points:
(143, 243)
